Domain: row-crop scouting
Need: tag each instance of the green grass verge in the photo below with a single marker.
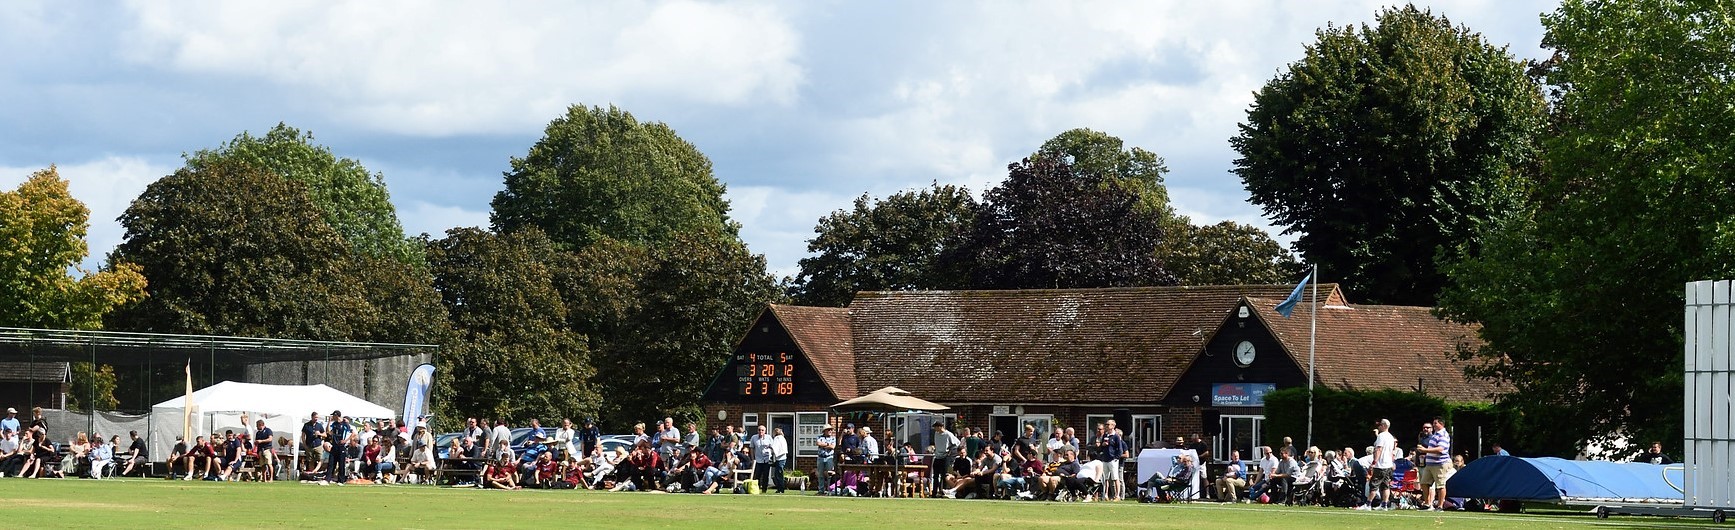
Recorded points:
(142, 503)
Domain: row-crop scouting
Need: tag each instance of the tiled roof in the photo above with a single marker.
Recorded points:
(1374, 346)
(823, 334)
(37, 372)
(1118, 345)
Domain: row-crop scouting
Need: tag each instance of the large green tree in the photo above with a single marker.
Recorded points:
(602, 173)
(1135, 168)
(514, 356)
(661, 282)
(1580, 295)
(44, 229)
(353, 201)
(688, 303)
(232, 249)
(1048, 226)
(1387, 146)
(887, 244)
(1227, 253)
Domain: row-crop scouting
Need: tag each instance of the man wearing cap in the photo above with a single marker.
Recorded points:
(338, 431)
(11, 421)
(588, 437)
(826, 444)
(850, 444)
(870, 448)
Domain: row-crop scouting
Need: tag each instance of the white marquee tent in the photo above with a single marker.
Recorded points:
(283, 407)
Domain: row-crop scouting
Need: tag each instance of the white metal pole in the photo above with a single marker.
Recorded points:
(1312, 336)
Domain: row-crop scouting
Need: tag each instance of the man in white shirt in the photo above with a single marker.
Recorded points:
(563, 440)
(779, 457)
(870, 448)
(1384, 459)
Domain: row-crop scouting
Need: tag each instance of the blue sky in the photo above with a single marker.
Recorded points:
(802, 106)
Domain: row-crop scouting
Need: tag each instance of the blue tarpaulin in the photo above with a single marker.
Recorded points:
(1566, 481)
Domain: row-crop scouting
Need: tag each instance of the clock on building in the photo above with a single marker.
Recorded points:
(1244, 354)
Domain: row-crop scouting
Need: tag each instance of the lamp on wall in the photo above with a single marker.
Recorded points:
(722, 414)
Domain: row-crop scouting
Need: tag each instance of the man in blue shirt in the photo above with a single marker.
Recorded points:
(339, 432)
(1110, 448)
(1436, 453)
(11, 421)
(827, 457)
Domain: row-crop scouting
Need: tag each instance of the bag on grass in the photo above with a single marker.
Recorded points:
(752, 486)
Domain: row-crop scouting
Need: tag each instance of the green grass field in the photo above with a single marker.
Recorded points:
(144, 503)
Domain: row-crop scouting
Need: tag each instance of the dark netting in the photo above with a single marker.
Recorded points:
(129, 349)
(149, 367)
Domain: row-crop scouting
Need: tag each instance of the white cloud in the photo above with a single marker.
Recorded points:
(778, 222)
(424, 68)
(418, 217)
(106, 186)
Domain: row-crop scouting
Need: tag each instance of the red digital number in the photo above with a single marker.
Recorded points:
(788, 370)
(786, 388)
(764, 387)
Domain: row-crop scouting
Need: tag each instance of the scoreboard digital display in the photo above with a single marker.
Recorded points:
(765, 375)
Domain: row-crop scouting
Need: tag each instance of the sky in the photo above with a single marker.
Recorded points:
(801, 106)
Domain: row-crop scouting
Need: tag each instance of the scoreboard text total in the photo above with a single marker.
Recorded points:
(766, 374)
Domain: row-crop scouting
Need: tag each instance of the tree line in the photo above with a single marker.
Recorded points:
(1559, 203)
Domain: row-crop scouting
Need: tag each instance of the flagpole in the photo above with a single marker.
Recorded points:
(1312, 337)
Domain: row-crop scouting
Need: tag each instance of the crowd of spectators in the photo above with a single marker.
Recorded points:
(668, 458)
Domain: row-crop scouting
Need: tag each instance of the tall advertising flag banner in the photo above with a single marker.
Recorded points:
(416, 394)
(187, 410)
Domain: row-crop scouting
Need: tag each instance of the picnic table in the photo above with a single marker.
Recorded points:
(893, 474)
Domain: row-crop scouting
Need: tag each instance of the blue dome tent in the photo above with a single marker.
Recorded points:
(1567, 481)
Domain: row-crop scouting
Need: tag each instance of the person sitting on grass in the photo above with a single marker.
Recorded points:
(544, 471)
(642, 467)
(699, 466)
(501, 474)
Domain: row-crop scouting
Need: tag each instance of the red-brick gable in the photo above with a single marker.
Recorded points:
(823, 335)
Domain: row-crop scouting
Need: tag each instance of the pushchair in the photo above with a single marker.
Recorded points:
(1310, 487)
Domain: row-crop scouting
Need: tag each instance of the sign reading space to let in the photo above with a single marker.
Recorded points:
(1240, 394)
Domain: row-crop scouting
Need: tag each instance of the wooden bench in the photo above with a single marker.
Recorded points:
(451, 470)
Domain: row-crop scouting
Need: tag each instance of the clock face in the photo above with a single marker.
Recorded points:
(1244, 353)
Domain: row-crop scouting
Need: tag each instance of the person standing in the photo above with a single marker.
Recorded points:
(1653, 456)
(826, 460)
(340, 433)
(262, 443)
(944, 444)
(1436, 452)
(501, 436)
(10, 423)
(1384, 459)
(779, 457)
(762, 455)
(474, 432)
(1110, 448)
(589, 437)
